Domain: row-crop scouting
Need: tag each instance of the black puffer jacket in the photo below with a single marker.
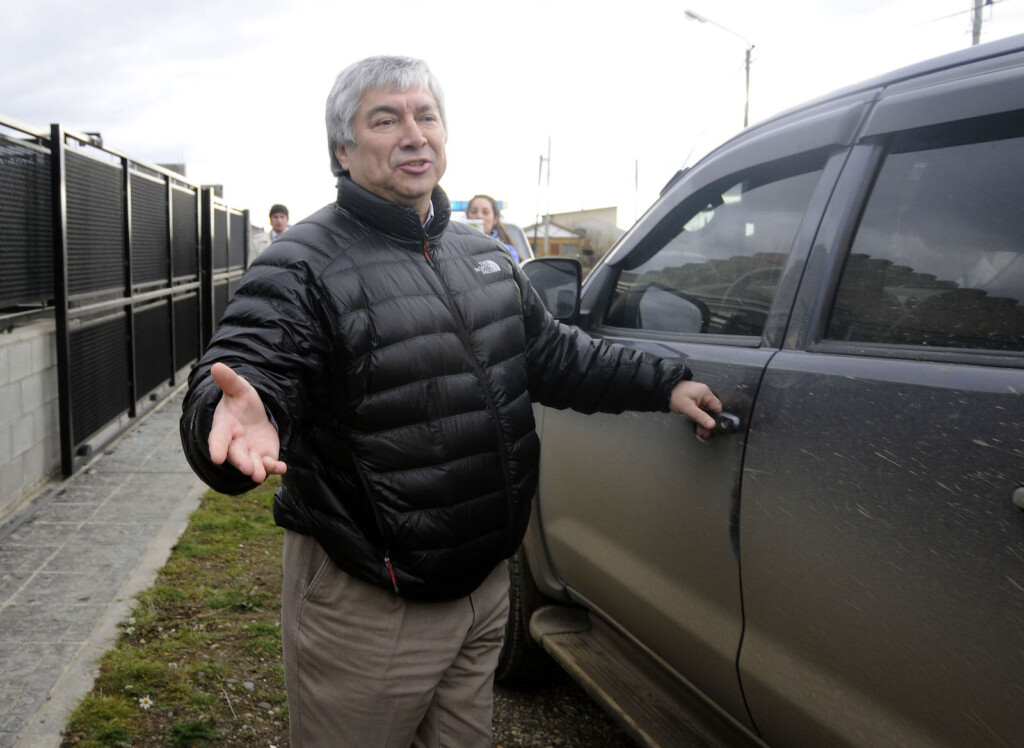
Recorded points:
(399, 366)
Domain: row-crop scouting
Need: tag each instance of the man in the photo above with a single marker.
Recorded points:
(259, 239)
(383, 360)
(278, 221)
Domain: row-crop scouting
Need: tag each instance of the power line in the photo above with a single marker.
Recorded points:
(969, 11)
(975, 11)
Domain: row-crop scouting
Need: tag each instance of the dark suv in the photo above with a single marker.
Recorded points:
(847, 568)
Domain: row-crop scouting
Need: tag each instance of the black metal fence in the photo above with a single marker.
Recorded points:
(136, 262)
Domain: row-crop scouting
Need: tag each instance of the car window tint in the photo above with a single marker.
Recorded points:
(719, 264)
(938, 257)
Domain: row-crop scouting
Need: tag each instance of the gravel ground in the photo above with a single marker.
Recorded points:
(556, 713)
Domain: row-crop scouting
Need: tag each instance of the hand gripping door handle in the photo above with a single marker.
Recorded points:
(725, 423)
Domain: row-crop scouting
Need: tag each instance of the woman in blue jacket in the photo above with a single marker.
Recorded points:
(485, 209)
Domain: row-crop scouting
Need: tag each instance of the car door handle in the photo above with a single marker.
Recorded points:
(725, 423)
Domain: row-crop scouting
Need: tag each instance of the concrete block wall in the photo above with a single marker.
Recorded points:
(29, 414)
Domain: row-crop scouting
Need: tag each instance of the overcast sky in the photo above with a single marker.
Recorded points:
(235, 89)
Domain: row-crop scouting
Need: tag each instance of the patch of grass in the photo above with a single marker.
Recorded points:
(199, 661)
(186, 734)
(126, 672)
(112, 719)
(262, 639)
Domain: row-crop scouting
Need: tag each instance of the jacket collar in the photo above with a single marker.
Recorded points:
(392, 219)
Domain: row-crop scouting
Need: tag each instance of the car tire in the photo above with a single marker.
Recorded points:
(521, 661)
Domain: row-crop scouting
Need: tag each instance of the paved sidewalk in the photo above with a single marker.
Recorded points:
(71, 563)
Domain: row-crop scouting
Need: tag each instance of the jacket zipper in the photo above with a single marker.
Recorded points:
(464, 334)
(376, 514)
(387, 551)
(391, 571)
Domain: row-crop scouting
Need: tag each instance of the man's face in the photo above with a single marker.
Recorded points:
(279, 222)
(399, 151)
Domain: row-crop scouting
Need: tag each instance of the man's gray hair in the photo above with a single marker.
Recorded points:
(387, 73)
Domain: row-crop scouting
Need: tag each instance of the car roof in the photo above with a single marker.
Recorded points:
(955, 59)
(989, 50)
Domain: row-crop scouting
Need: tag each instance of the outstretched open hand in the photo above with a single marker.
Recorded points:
(241, 432)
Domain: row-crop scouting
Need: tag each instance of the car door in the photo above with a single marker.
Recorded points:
(881, 528)
(639, 517)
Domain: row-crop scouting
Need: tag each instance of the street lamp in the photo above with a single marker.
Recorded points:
(694, 16)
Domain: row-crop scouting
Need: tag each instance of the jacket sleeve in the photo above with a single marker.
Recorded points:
(272, 333)
(569, 369)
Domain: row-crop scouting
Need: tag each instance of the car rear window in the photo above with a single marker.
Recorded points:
(938, 256)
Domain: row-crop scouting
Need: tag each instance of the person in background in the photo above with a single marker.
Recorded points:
(485, 209)
(258, 241)
(383, 359)
(278, 221)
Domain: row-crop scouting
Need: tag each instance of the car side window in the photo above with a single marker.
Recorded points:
(716, 260)
(938, 256)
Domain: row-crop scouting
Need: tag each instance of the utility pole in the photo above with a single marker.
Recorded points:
(694, 16)
(976, 20)
(547, 213)
(746, 98)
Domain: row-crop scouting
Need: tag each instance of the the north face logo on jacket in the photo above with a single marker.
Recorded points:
(486, 267)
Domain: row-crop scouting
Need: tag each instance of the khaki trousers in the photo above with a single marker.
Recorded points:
(367, 669)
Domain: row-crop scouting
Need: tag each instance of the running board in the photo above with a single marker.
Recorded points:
(654, 710)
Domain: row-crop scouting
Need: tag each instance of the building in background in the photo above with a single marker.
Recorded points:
(583, 234)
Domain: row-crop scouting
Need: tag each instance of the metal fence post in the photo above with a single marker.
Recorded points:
(129, 309)
(172, 341)
(58, 192)
(246, 259)
(206, 265)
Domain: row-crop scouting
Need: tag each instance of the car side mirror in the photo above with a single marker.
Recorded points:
(557, 281)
